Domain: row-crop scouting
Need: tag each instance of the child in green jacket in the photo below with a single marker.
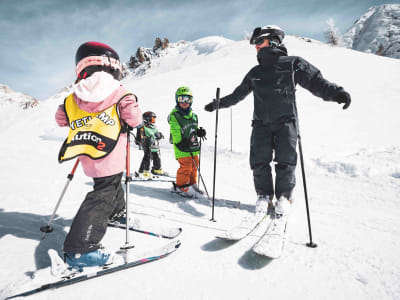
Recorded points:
(149, 137)
(184, 135)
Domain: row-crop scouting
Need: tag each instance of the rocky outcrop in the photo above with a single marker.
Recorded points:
(8, 96)
(377, 31)
(141, 61)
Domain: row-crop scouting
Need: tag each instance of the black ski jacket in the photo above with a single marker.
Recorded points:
(273, 83)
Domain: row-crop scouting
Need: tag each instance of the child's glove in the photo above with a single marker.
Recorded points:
(159, 135)
(183, 144)
(201, 132)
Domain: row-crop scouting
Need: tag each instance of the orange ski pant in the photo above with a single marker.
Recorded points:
(187, 172)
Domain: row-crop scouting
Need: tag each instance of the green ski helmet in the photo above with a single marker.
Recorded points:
(184, 94)
(183, 91)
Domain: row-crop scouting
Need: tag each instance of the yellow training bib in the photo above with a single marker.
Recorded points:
(91, 134)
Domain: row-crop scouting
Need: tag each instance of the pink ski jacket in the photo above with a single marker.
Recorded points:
(130, 114)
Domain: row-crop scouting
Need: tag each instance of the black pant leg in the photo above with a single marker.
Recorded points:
(145, 165)
(286, 158)
(261, 147)
(119, 202)
(155, 156)
(90, 223)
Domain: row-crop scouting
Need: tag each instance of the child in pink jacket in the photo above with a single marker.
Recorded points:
(97, 113)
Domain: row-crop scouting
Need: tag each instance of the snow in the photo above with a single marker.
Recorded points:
(352, 161)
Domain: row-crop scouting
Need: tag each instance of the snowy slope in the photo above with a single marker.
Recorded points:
(353, 173)
(377, 31)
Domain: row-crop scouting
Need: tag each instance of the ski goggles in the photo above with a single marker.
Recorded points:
(260, 41)
(185, 99)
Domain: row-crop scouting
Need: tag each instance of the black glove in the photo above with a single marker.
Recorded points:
(201, 132)
(211, 106)
(184, 143)
(343, 97)
(159, 135)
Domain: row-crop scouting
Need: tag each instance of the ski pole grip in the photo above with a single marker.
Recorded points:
(217, 98)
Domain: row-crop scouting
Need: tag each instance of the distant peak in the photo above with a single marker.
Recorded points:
(377, 31)
(8, 96)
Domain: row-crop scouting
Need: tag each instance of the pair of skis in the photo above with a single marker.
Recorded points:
(123, 263)
(272, 240)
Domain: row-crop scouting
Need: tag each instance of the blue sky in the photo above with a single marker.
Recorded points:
(38, 38)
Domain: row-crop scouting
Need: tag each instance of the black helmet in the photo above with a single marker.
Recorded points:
(149, 117)
(270, 32)
(93, 57)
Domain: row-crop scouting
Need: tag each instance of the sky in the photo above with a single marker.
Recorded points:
(39, 38)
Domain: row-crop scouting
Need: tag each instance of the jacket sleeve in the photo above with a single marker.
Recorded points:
(175, 129)
(130, 112)
(61, 117)
(238, 94)
(310, 78)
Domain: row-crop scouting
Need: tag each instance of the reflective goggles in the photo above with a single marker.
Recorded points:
(185, 99)
(260, 41)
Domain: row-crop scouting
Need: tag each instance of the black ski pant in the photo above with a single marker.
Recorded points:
(149, 155)
(90, 223)
(276, 141)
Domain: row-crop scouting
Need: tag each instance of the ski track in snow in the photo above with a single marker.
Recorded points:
(353, 182)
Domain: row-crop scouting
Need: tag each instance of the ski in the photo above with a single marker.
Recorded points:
(154, 178)
(272, 242)
(245, 227)
(73, 278)
(163, 232)
(218, 202)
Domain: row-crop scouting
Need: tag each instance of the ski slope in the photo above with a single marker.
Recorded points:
(352, 161)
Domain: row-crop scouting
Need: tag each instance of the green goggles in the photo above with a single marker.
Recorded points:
(185, 99)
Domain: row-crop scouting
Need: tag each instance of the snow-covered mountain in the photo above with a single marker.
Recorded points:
(8, 96)
(147, 58)
(352, 161)
(377, 31)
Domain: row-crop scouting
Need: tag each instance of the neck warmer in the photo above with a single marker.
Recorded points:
(96, 87)
(268, 56)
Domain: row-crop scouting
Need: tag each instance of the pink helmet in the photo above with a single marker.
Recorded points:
(93, 57)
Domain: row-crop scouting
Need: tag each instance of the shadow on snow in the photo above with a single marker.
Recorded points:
(27, 226)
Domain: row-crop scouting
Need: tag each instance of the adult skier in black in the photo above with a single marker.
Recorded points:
(273, 83)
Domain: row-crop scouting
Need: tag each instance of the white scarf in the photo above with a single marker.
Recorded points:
(96, 87)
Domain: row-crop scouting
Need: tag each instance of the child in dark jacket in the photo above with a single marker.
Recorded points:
(148, 136)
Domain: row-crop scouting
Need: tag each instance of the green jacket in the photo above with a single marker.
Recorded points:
(177, 132)
(146, 136)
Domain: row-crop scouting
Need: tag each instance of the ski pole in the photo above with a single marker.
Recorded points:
(201, 177)
(48, 228)
(310, 244)
(231, 131)
(215, 153)
(198, 169)
(128, 179)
